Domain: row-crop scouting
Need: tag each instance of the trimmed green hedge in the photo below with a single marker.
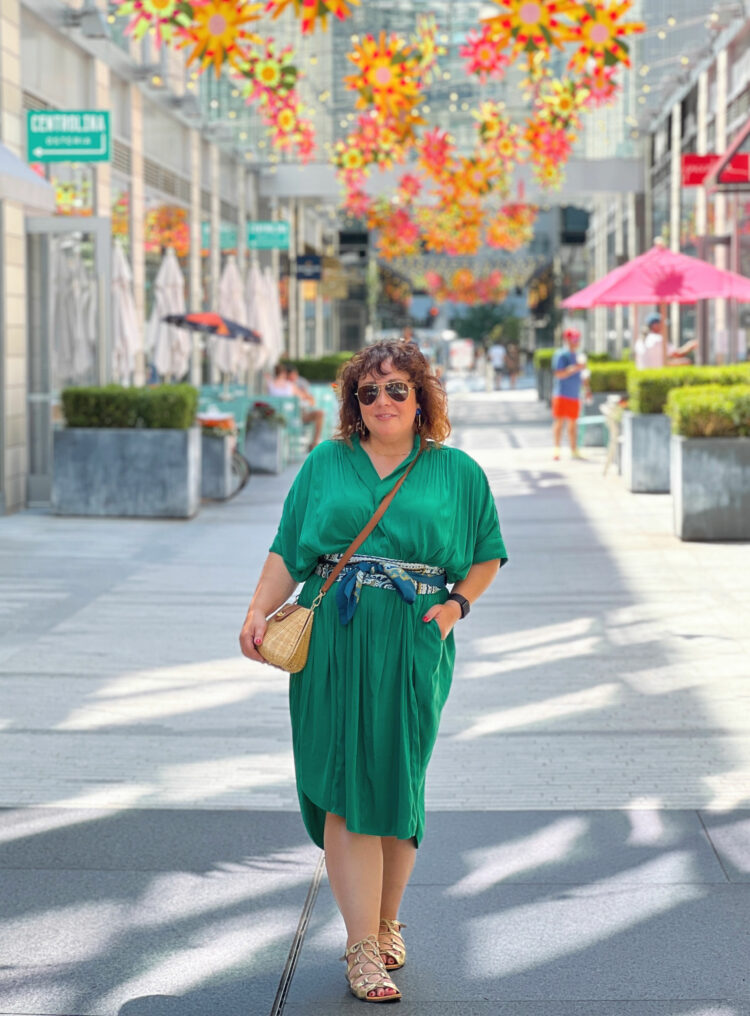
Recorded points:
(171, 407)
(324, 368)
(609, 376)
(710, 410)
(648, 389)
(543, 359)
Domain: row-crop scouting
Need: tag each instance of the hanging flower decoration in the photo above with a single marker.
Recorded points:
(386, 76)
(270, 74)
(512, 227)
(434, 151)
(599, 32)
(601, 85)
(161, 16)
(483, 56)
(409, 187)
(218, 32)
(313, 11)
(561, 102)
(529, 26)
(358, 204)
(426, 45)
(464, 286)
(398, 234)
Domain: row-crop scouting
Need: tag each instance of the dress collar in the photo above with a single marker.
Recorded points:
(369, 474)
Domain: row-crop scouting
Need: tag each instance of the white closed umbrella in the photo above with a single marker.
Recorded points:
(168, 345)
(230, 355)
(274, 310)
(126, 330)
(259, 316)
(73, 321)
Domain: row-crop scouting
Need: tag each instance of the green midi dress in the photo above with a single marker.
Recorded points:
(365, 709)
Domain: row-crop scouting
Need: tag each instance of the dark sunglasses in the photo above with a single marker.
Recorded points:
(396, 390)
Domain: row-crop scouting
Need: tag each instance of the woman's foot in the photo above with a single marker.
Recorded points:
(392, 947)
(366, 973)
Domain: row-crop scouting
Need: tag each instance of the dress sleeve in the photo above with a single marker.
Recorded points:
(299, 561)
(488, 543)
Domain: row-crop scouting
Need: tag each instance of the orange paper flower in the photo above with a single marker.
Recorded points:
(218, 32)
(387, 74)
(599, 34)
(313, 11)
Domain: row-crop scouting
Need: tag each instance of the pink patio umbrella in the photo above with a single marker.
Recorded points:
(661, 276)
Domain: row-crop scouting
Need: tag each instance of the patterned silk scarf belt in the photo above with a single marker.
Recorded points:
(408, 579)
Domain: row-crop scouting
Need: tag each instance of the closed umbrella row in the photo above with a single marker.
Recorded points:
(253, 304)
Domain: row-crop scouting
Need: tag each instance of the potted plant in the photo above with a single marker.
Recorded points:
(710, 461)
(218, 442)
(608, 381)
(127, 451)
(266, 441)
(646, 429)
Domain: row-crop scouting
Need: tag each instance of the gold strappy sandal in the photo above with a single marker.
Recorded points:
(391, 943)
(359, 957)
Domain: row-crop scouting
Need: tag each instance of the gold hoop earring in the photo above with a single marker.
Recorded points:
(360, 427)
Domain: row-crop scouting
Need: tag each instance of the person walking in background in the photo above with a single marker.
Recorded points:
(512, 363)
(497, 357)
(653, 350)
(567, 369)
(365, 708)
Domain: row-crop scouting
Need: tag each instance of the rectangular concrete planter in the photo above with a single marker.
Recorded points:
(143, 473)
(711, 487)
(266, 448)
(216, 467)
(645, 452)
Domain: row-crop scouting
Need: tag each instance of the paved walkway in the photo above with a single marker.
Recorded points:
(587, 843)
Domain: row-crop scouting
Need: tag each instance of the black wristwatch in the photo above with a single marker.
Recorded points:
(462, 602)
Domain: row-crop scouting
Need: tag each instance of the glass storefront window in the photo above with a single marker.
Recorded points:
(121, 214)
(74, 188)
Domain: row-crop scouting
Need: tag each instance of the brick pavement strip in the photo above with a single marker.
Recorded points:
(607, 667)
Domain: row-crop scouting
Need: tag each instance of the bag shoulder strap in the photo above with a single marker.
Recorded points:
(360, 539)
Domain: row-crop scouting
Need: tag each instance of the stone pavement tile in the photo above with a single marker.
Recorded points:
(211, 931)
(152, 840)
(556, 1007)
(729, 833)
(474, 852)
(610, 941)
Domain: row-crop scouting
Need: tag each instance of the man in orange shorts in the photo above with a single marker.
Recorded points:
(567, 368)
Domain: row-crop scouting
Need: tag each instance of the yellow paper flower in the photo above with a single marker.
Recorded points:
(217, 32)
(529, 26)
(387, 74)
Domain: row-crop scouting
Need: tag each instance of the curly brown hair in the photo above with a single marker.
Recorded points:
(403, 356)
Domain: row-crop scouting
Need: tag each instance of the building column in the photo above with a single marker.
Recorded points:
(319, 322)
(215, 253)
(675, 190)
(196, 242)
(14, 426)
(138, 225)
(721, 259)
(600, 270)
(292, 294)
(701, 213)
(241, 219)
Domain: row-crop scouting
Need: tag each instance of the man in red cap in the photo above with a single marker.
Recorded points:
(567, 368)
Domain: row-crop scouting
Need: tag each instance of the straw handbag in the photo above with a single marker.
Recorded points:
(287, 639)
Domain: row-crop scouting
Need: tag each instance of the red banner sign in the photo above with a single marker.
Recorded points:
(695, 169)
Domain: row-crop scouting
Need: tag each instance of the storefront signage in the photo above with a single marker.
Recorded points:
(695, 169)
(72, 136)
(268, 235)
(309, 267)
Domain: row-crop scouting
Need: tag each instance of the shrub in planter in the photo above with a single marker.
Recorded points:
(609, 376)
(710, 411)
(168, 407)
(648, 389)
(266, 441)
(710, 462)
(128, 451)
(323, 368)
(543, 359)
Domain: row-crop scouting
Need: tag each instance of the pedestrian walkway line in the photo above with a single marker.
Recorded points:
(287, 974)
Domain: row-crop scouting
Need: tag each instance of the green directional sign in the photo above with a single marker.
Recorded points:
(268, 235)
(227, 236)
(73, 136)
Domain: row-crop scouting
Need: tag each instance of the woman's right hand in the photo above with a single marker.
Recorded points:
(251, 636)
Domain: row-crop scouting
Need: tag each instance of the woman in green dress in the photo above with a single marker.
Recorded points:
(366, 707)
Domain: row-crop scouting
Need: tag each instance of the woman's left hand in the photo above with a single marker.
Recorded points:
(446, 614)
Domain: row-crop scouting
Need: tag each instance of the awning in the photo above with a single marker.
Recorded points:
(18, 182)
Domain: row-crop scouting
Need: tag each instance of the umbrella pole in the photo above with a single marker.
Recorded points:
(664, 332)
